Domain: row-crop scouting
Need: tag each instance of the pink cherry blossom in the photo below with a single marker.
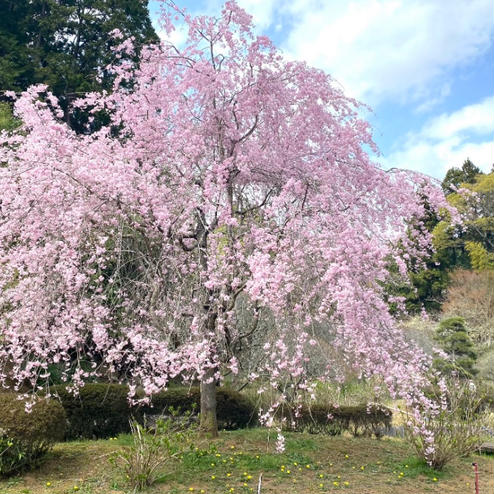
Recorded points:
(229, 182)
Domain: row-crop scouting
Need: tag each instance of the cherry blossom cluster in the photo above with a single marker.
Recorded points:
(226, 176)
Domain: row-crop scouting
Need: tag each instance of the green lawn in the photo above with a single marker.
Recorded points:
(232, 465)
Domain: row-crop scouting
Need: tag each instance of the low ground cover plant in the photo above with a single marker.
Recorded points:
(154, 451)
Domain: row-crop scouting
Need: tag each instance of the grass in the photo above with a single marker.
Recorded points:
(312, 464)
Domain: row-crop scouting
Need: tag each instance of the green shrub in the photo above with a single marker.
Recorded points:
(100, 410)
(359, 420)
(456, 423)
(234, 411)
(26, 437)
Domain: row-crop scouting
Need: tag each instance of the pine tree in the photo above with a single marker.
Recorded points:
(454, 339)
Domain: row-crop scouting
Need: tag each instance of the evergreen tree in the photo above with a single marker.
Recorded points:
(457, 344)
(67, 44)
(427, 279)
(457, 176)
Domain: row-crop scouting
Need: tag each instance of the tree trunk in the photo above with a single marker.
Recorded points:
(209, 423)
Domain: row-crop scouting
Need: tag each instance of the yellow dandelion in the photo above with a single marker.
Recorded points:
(202, 491)
(228, 474)
(213, 464)
(48, 484)
(336, 484)
(330, 464)
(435, 480)
(321, 475)
(288, 472)
(213, 477)
(362, 468)
(257, 457)
(307, 466)
(76, 488)
(232, 447)
(191, 489)
(245, 484)
(346, 456)
(338, 476)
(295, 463)
(249, 477)
(346, 483)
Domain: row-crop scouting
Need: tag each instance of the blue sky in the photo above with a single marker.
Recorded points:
(426, 67)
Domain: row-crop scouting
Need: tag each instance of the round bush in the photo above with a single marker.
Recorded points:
(102, 410)
(26, 437)
(234, 411)
(98, 411)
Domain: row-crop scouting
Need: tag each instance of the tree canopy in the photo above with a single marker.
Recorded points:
(456, 176)
(66, 44)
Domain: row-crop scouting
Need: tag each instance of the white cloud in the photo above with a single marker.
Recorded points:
(388, 48)
(263, 11)
(178, 36)
(477, 118)
(449, 139)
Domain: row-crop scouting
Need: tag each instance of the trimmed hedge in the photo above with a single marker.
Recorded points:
(234, 411)
(101, 410)
(26, 437)
(359, 420)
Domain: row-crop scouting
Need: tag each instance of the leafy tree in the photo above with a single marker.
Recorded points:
(472, 244)
(480, 259)
(67, 44)
(466, 246)
(457, 176)
(7, 119)
(453, 337)
(238, 181)
(426, 281)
